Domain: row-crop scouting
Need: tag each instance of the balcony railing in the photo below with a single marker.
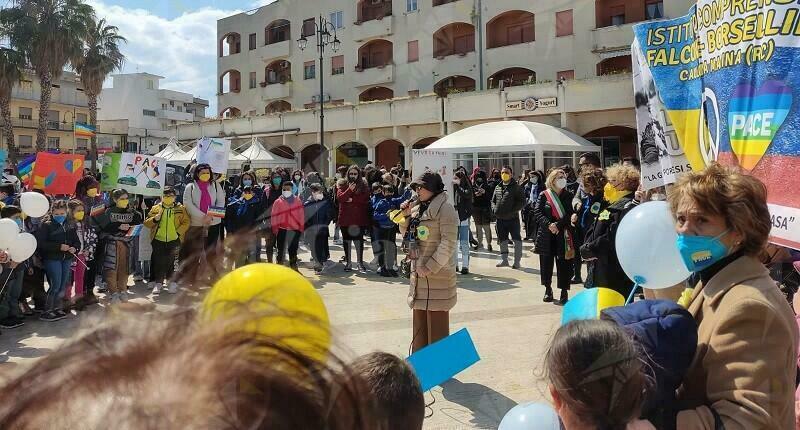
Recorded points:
(34, 124)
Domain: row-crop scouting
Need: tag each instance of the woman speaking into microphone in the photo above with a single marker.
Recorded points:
(430, 231)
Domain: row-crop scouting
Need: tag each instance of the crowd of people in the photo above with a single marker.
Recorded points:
(740, 374)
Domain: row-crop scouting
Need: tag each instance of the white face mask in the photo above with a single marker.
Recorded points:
(658, 197)
(534, 180)
(297, 177)
(561, 183)
(318, 196)
(287, 194)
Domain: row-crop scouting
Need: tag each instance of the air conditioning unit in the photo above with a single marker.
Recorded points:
(315, 98)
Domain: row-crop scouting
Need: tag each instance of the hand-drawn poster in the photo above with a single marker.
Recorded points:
(57, 174)
(136, 173)
(215, 153)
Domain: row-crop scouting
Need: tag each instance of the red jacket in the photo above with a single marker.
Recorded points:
(288, 216)
(354, 207)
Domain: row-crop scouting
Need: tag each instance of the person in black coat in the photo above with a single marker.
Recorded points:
(554, 241)
(507, 202)
(462, 195)
(532, 186)
(319, 214)
(588, 210)
(243, 217)
(599, 245)
(481, 208)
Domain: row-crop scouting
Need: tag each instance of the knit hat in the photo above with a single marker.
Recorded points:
(430, 181)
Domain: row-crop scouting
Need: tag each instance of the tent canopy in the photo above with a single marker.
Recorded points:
(258, 156)
(235, 160)
(513, 136)
(171, 151)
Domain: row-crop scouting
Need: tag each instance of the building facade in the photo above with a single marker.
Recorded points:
(150, 111)
(410, 71)
(68, 104)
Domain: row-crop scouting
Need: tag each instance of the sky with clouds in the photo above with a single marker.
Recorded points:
(173, 38)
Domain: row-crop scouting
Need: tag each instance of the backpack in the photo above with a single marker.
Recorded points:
(667, 334)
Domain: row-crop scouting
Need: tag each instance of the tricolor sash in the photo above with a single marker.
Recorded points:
(559, 213)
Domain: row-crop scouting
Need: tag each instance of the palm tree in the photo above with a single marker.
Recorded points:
(52, 31)
(99, 59)
(12, 63)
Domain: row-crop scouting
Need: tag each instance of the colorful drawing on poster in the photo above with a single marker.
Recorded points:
(730, 94)
(57, 173)
(214, 152)
(136, 173)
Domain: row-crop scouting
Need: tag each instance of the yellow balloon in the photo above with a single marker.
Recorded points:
(284, 307)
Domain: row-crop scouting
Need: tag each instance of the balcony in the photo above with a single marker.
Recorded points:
(275, 50)
(34, 124)
(276, 91)
(64, 97)
(380, 75)
(454, 11)
(613, 38)
(459, 64)
(174, 115)
(376, 28)
(175, 95)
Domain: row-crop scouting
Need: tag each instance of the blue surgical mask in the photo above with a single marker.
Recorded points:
(247, 183)
(700, 252)
(19, 222)
(277, 181)
(59, 218)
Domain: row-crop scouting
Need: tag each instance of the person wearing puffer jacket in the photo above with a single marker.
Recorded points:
(198, 197)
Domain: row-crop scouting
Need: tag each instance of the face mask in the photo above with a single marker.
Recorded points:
(247, 183)
(561, 183)
(122, 203)
(700, 252)
(168, 201)
(205, 177)
(297, 177)
(247, 196)
(91, 192)
(318, 196)
(479, 180)
(286, 194)
(505, 177)
(612, 194)
(277, 181)
(59, 218)
(657, 197)
(79, 215)
(352, 178)
(19, 222)
(534, 180)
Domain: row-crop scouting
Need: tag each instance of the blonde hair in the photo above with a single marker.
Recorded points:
(726, 192)
(550, 182)
(626, 177)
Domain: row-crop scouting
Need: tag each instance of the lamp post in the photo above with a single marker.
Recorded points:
(325, 33)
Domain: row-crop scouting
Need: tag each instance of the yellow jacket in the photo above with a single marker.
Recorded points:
(180, 215)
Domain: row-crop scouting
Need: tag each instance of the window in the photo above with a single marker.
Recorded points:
(147, 112)
(173, 122)
(53, 143)
(564, 23)
(337, 65)
(309, 70)
(163, 106)
(180, 108)
(654, 9)
(617, 15)
(252, 41)
(253, 79)
(413, 93)
(566, 74)
(172, 103)
(25, 113)
(413, 51)
(81, 118)
(52, 119)
(82, 144)
(308, 27)
(25, 142)
(337, 19)
(150, 84)
(411, 5)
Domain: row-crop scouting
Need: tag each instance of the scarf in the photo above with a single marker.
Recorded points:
(205, 196)
(559, 213)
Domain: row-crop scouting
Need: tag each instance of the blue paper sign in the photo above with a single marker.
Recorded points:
(3, 157)
(444, 359)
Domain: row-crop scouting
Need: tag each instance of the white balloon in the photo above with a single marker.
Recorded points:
(531, 416)
(34, 204)
(646, 247)
(8, 232)
(23, 248)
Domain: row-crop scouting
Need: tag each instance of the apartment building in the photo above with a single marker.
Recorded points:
(409, 71)
(68, 104)
(147, 111)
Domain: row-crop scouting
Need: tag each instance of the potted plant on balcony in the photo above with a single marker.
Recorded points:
(263, 84)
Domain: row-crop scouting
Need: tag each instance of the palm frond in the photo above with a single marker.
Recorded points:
(100, 57)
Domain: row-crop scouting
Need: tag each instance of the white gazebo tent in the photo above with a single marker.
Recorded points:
(259, 157)
(520, 144)
(235, 160)
(171, 151)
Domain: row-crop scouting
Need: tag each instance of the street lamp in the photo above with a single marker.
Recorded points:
(324, 31)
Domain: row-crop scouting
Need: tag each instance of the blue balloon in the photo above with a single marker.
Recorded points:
(531, 416)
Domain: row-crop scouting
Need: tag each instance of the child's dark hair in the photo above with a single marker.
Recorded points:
(287, 182)
(57, 205)
(119, 192)
(377, 187)
(247, 189)
(169, 191)
(395, 388)
(598, 372)
(9, 211)
(388, 189)
(7, 188)
(316, 188)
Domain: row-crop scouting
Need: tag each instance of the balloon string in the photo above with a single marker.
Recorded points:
(630, 296)
(79, 261)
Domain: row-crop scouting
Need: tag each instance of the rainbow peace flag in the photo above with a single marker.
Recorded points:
(25, 167)
(84, 130)
(216, 212)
